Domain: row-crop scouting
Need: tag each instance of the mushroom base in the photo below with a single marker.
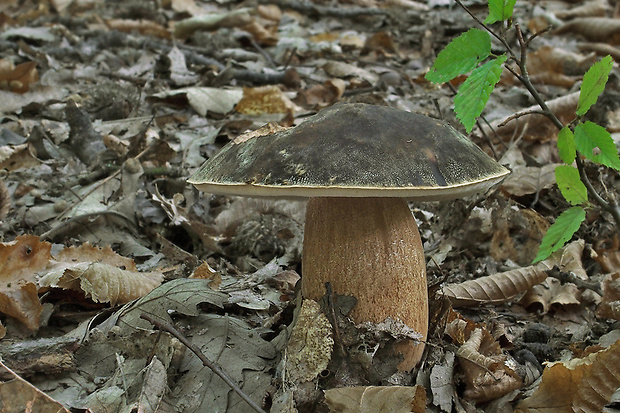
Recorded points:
(369, 248)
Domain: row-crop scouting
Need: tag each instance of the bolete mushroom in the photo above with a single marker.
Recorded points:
(359, 164)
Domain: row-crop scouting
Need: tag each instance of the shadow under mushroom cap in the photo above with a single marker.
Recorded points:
(353, 150)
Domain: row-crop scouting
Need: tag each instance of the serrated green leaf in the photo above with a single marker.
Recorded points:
(460, 56)
(560, 232)
(566, 145)
(595, 143)
(500, 10)
(474, 93)
(593, 84)
(569, 182)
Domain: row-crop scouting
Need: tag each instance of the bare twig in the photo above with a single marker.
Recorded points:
(520, 115)
(214, 367)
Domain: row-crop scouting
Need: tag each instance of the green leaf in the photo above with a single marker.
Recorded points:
(593, 84)
(595, 143)
(474, 93)
(569, 182)
(560, 232)
(500, 10)
(566, 145)
(460, 56)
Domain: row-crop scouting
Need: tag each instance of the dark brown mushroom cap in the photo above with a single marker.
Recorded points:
(353, 150)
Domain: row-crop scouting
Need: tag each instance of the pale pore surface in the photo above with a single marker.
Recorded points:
(369, 248)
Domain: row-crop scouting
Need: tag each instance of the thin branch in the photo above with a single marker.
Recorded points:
(214, 367)
(538, 33)
(520, 115)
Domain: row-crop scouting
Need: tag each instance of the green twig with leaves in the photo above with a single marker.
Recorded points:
(578, 140)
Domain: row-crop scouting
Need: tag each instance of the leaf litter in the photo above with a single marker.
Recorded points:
(101, 120)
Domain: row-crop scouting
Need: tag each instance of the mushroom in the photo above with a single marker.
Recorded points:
(359, 164)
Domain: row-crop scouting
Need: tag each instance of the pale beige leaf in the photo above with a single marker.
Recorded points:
(596, 8)
(372, 399)
(583, 385)
(551, 292)
(345, 70)
(102, 282)
(595, 29)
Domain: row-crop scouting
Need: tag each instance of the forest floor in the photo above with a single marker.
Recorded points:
(107, 107)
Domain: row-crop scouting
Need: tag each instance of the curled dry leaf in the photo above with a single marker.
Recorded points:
(18, 78)
(101, 274)
(371, 399)
(595, 29)
(551, 292)
(310, 345)
(489, 373)
(504, 286)
(579, 385)
(610, 305)
(20, 260)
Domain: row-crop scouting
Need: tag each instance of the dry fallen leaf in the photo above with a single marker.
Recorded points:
(20, 260)
(18, 78)
(579, 385)
(489, 372)
(550, 292)
(17, 395)
(101, 274)
(610, 304)
(324, 95)
(17, 157)
(372, 399)
(596, 8)
(608, 254)
(504, 286)
(595, 29)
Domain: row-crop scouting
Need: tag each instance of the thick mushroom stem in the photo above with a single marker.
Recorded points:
(369, 248)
